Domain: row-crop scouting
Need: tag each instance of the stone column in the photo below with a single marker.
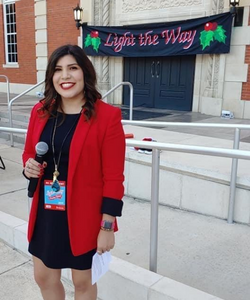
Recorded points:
(102, 18)
(41, 38)
(105, 59)
(213, 60)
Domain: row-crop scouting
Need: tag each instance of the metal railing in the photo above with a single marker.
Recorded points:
(10, 107)
(130, 96)
(156, 148)
(8, 87)
(41, 82)
(236, 144)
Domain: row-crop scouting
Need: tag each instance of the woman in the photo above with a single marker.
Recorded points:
(81, 180)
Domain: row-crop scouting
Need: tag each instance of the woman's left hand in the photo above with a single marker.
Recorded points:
(105, 241)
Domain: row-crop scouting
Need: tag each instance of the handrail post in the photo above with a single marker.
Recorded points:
(8, 89)
(11, 126)
(130, 95)
(131, 101)
(154, 209)
(234, 168)
(8, 100)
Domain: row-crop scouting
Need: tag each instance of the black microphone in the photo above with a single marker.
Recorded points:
(41, 149)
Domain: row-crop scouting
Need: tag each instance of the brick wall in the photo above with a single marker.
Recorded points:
(61, 25)
(246, 85)
(26, 73)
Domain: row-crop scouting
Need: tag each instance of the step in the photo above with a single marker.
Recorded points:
(17, 137)
(16, 116)
(140, 283)
(16, 123)
(19, 120)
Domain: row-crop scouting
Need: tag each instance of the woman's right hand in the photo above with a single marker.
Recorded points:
(33, 169)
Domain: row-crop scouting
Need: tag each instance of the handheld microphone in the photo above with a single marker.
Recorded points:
(41, 149)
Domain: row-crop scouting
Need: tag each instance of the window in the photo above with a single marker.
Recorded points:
(10, 32)
(238, 18)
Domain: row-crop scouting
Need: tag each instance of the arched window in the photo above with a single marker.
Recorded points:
(9, 10)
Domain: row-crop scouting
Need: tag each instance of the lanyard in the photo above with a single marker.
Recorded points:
(56, 163)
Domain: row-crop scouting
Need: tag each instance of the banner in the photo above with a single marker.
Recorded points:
(197, 36)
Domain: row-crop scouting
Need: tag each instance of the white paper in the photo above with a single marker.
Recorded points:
(100, 265)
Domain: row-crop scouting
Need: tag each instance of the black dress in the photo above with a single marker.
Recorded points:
(50, 240)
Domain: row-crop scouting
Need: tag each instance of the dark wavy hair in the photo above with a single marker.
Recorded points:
(52, 101)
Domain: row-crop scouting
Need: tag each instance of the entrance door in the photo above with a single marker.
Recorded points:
(138, 71)
(161, 82)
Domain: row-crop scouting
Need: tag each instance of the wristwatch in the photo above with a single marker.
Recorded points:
(107, 225)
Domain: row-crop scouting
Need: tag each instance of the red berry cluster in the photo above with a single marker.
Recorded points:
(94, 34)
(211, 26)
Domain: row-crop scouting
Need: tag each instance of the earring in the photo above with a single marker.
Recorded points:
(55, 97)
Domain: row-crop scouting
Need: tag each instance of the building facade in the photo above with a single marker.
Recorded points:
(30, 30)
(215, 82)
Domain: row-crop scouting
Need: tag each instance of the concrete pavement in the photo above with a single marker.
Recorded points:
(16, 277)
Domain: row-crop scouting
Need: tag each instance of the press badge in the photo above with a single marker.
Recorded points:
(54, 200)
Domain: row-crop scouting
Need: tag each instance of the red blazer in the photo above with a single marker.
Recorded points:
(96, 165)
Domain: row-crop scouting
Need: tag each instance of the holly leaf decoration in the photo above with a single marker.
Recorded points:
(219, 34)
(206, 37)
(96, 43)
(87, 41)
(92, 41)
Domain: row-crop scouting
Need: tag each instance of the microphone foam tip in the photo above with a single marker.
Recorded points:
(42, 148)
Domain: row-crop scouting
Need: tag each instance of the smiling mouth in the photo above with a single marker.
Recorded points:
(67, 85)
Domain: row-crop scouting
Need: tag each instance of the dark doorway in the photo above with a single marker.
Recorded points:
(160, 82)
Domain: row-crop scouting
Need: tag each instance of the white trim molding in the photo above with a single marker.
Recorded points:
(11, 66)
(10, 33)
(41, 38)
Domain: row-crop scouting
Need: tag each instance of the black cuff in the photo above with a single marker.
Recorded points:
(25, 175)
(112, 207)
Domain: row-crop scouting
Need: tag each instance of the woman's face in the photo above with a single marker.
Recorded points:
(68, 79)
